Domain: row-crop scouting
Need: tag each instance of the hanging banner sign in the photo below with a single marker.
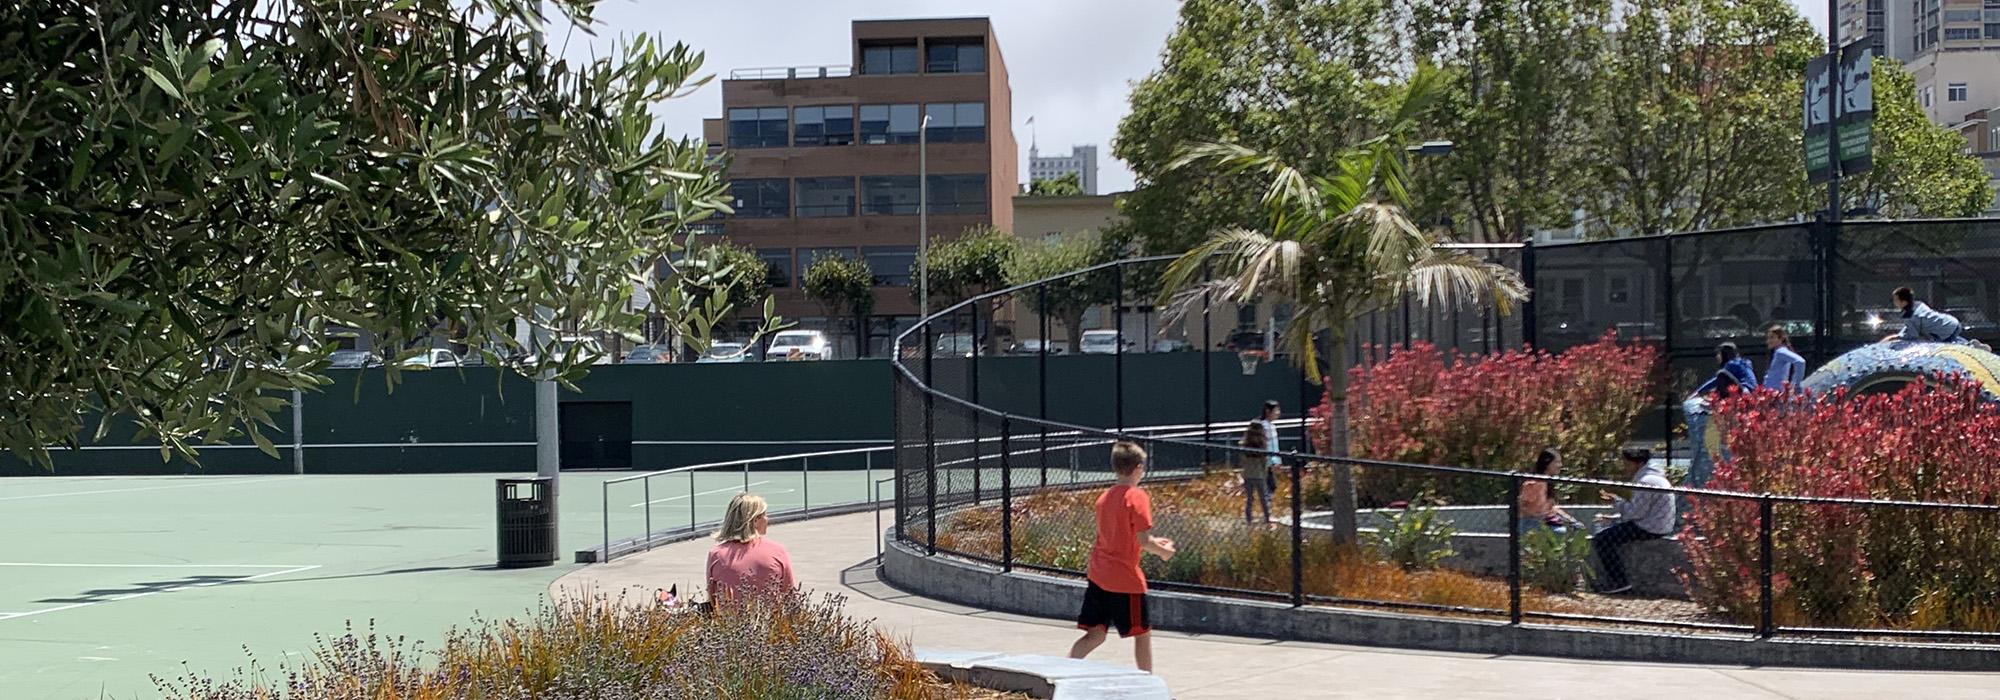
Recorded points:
(1819, 119)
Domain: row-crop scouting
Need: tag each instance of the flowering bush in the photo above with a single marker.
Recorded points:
(1844, 565)
(1494, 412)
(597, 648)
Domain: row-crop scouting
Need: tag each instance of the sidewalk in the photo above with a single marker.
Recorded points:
(833, 555)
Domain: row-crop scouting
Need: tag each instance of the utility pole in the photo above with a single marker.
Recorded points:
(1834, 89)
(923, 218)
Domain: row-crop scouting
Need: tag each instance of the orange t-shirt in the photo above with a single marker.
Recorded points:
(1122, 513)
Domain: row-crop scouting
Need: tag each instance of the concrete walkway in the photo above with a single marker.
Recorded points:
(833, 555)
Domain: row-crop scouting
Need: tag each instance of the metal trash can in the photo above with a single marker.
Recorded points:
(527, 510)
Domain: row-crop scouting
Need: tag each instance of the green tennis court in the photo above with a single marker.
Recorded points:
(111, 580)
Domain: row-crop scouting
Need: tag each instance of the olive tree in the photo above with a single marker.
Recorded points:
(195, 191)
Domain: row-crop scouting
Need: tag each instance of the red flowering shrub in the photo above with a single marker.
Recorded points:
(1853, 566)
(1493, 412)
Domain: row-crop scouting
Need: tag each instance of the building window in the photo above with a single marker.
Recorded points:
(891, 265)
(958, 194)
(757, 127)
(762, 199)
(1957, 92)
(1955, 34)
(705, 228)
(826, 196)
(882, 124)
(889, 59)
(957, 122)
(1961, 15)
(1993, 30)
(778, 261)
(893, 194)
(1925, 94)
(823, 126)
(964, 56)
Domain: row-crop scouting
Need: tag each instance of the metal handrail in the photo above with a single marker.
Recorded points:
(792, 72)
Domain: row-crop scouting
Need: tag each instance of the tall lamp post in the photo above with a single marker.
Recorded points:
(923, 218)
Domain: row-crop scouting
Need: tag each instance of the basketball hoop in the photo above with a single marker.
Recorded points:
(1250, 358)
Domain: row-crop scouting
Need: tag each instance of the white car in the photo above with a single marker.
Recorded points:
(724, 352)
(1102, 342)
(809, 345)
(431, 359)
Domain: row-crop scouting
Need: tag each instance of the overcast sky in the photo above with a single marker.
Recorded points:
(1072, 62)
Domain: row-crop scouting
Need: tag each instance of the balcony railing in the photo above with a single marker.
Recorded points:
(791, 73)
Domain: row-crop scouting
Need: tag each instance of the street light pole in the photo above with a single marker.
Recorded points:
(923, 218)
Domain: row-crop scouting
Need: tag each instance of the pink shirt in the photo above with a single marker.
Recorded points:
(739, 568)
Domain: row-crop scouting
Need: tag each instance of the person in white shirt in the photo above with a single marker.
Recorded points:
(1787, 367)
(1649, 515)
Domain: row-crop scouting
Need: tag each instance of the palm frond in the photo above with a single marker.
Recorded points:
(1452, 276)
(1290, 187)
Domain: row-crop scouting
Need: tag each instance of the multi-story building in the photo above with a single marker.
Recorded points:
(1952, 48)
(824, 160)
(1081, 162)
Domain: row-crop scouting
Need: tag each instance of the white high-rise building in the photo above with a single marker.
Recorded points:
(1952, 48)
(1082, 161)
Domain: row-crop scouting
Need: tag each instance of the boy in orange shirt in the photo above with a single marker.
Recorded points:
(1116, 596)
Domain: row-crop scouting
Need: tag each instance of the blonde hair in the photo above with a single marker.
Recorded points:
(1127, 457)
(738, 521)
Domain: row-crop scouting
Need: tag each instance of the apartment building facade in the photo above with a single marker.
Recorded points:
(825, 160)
(1952, 49)
(1081, 162)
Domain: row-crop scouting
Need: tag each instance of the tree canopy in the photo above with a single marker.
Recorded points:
(973, 263)
(846, 287)
(1920, 170)
(1065, 185)
(1066, 296)
(196, 191)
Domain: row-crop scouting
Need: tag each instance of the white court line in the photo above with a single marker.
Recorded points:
(260, 479)
(156, 566)
(129, 596)
(704, 493)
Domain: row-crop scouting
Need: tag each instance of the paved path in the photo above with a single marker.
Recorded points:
(833, 555)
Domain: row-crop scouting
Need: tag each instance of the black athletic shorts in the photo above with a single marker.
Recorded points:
(1125, 611)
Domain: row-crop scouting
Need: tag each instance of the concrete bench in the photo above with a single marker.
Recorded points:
(1653, 567)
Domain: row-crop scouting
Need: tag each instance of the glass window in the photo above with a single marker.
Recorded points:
(957, 122)
(958, 194)
(757, 127)
(891, 264)
(1956, 92)
(962, 56)
(894, 194)
(808, 256)
(823, 126)
(762, 198)
(882, 124)
(1993, 30)
(779, 262)
(889, 59)
(1961, 15)
(826, 196)
(1951, 34)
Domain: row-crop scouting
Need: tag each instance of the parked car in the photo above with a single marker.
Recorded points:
(353, 359)
(1244, 339)
(1639, 331)
(724, 353)
(1171, 345)
(1034, 347)
(433, 358)
(1871, 323)
(649, 354)
(1975, 322)
(1796, 328)
(809, 345)
(1102, 342)
(1719, 328)
(955, 345)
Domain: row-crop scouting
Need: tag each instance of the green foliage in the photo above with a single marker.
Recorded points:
(973, 263)
(846, 287)
(1067, 296)
(1921, 169)
(1293, 79)
(716, 281)
(208, 185)
(1065, 186)
(1415, 538)
(1555, 562)
(1696, 118)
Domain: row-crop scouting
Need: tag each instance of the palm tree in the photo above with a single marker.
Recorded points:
(1334, 246)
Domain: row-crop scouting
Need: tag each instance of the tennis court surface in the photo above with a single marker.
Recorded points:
(111, 580)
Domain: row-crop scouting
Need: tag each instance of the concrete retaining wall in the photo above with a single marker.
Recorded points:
(966, 583)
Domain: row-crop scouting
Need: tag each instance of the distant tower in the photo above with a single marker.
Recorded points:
(1081, 161)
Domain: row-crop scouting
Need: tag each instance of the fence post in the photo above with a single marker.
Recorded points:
(1528, 339)
(1765, 628)
(646, 492)
(1006, 497)
(605, 490)
(1118, 356)
(298, 432)
(1298, 535)
(1042, 381)
(806, 482)
(1207, 347)
(692, 522)
(1514, 550)
(930, 448)
(1406, 321)
(1668, 320)
(972, 310)
(1827, 258)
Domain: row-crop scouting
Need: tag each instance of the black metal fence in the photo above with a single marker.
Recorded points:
(1014, 487)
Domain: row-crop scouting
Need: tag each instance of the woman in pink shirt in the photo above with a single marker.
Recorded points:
(744, 562)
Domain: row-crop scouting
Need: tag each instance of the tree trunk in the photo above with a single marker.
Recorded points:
(860, 333)
(1075, 326)
(1345, 527)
